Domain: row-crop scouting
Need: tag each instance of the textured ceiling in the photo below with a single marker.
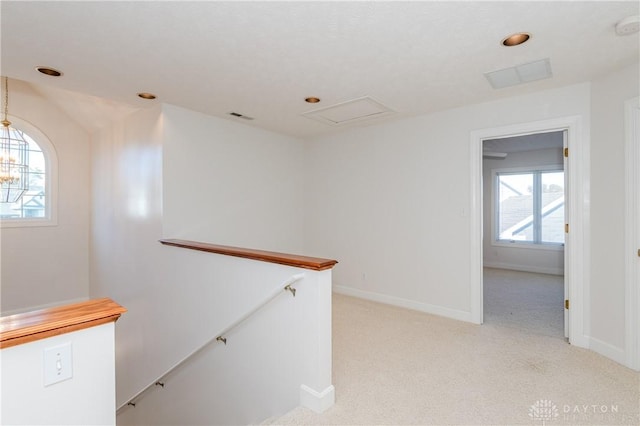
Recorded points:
(261, 59)
(523, 143)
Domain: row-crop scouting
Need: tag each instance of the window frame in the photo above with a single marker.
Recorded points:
(51, 178)
(495, 207)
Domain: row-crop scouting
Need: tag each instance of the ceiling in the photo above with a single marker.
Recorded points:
(262, 59)
(532, 142)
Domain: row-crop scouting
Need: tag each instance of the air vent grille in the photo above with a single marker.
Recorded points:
(520, 74)
(238, 115)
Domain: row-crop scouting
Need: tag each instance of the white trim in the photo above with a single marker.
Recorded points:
(317, 401)
(524, 268)
(51, 173)
(404, 303)
(476, 209)
(632, 243)
(577, 241)
(608, 350)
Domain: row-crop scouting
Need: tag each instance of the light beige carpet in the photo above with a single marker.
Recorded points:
(397, 366)
(524, 300)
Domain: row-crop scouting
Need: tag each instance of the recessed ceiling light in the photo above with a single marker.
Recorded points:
(49, 71)
(516, 39)
(145, 95)
(312, 100)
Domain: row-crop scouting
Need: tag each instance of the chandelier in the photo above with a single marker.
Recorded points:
(14, 158)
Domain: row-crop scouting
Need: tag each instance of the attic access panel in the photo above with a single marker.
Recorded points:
(360, 109)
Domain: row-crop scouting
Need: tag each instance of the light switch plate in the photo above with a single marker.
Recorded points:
(58, 364)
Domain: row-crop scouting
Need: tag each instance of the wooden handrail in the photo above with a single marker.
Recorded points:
(35, 325)
(313, 263)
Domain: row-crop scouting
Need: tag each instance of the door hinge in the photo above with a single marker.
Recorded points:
(638, 252)
(566, 228)
(566, 303)
(566, 152)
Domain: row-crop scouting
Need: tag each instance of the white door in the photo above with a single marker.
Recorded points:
(632, 294)
(636, 192)
(636, 216)
(565, 151)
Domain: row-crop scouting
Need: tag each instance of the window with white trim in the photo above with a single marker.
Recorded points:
(35, 206)
(529, 206)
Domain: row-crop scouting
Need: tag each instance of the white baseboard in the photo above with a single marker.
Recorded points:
(610, 351)
(524, 268)
(317, 401)
(404, 303)
(580, 341)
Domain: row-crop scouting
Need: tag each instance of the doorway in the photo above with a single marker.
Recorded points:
(576, 197)
(524, 232)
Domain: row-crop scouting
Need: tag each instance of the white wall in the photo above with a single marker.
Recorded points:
(61, 252)
(127, 262)
(177, 299)
(548, 261)
(87, 398)
(231, 184)
(608, 206)
(391, 201)
(259, 372)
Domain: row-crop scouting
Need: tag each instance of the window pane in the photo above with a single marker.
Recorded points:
(32, 204)
(552, 207)
(515, 212)
(36, 161)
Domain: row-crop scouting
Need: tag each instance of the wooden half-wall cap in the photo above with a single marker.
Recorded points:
(306, 262)
(35, 325)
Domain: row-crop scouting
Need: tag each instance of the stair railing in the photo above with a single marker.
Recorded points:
(220, 337)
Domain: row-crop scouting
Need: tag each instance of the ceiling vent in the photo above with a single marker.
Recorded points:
(353, 111)
(520, 74)
(238, 115)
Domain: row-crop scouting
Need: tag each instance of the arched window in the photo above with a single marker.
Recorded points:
(36, 206)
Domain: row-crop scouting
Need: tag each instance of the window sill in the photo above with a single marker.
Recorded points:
(529, 246)
(27, 223)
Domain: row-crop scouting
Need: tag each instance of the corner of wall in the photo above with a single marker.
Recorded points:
(319, 402)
